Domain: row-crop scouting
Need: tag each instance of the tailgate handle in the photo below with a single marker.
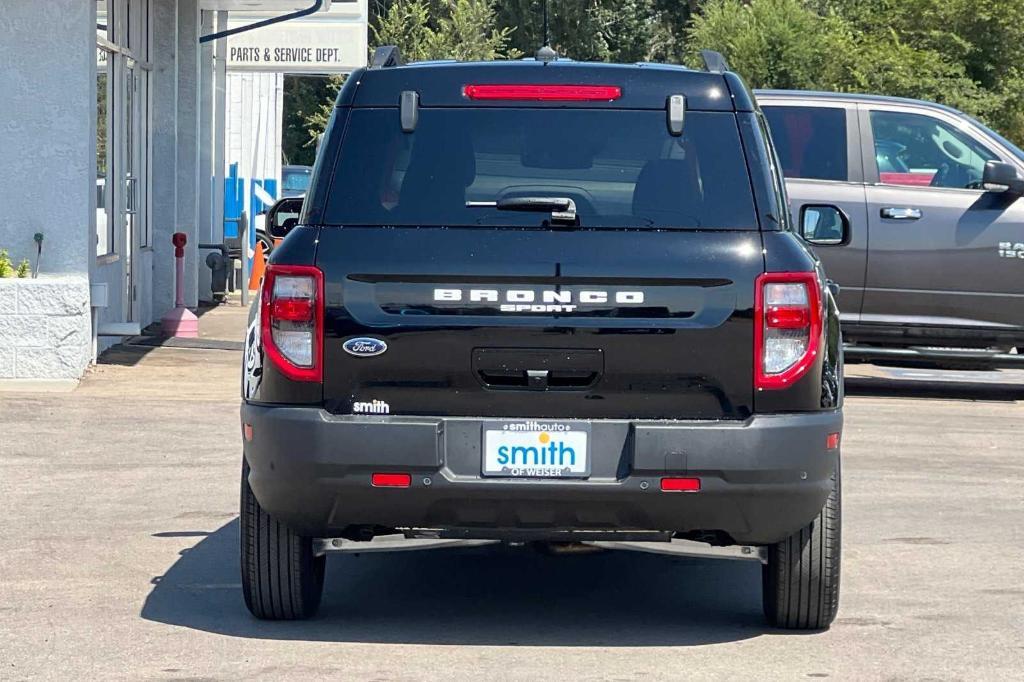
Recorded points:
(537, 379)
(536, 369)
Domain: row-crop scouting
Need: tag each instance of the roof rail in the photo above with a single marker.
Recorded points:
(386, 56)
(714, 62)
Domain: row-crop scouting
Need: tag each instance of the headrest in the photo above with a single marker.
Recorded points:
(669, 187)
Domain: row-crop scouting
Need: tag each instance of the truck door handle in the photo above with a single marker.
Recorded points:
(902, 213)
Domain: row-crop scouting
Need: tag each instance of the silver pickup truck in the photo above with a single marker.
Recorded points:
(928, 242)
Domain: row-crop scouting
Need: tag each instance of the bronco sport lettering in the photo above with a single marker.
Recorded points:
(549, 300)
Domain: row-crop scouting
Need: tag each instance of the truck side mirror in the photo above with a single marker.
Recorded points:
(824, 225)
(283, 216)
(1000, 176)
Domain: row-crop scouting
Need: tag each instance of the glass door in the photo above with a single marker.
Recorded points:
(106, 136)
(122, 145)
(133, 75)
(133, 139)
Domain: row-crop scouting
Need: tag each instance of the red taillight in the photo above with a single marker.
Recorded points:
(787, 327)
(784, 317)
(543, 93)
(680, 485)
(391, 480)
(292, 309)
(832, 441)
(292, 320)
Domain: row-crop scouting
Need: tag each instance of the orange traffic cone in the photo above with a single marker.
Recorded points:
(259, 266)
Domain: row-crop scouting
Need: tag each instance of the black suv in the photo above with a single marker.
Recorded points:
(544, 301)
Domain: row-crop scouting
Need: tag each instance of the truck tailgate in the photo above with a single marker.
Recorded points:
(541, 323)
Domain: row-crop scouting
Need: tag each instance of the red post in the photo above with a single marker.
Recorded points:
(179, 239)
(180, 321)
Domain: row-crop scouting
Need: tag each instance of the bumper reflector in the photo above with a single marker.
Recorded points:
(247, 432)
(391, 480)
(832, 442)
(680, 485)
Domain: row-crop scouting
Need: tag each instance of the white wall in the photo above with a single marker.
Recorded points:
(47, 184)
(188, 146)
(164, 150)
(175, 151)
(47, 135)
(207, 231)
(255, 106)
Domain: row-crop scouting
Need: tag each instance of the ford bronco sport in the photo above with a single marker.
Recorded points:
(544, 301)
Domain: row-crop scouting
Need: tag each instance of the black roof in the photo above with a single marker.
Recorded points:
(644, 86)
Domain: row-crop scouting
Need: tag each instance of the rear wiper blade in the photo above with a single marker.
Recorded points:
(562, 209)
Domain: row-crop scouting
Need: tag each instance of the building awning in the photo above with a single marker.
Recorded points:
(261, 5)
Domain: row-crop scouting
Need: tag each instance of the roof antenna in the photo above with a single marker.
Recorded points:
(546, 53)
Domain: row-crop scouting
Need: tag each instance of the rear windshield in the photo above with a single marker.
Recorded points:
(621, 168)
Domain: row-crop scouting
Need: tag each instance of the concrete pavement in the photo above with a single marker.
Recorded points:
(118, 560)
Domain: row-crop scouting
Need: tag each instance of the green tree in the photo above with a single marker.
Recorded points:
(454, 29)
(591, 30)
(316, 122)
(972, 52)
(6, 267)
(304, 97)
(772, 43)
(671, 19)
(958, 52)
(574, 27)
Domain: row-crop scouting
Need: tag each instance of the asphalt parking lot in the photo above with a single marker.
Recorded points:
(118, 559)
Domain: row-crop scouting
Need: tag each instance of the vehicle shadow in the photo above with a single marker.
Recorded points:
(491, 595)
(923, 382)
(981, 215)
(905, 389)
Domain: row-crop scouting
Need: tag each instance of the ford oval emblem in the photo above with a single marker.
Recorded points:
(365, 347)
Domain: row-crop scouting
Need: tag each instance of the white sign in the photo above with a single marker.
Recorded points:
(326, 42)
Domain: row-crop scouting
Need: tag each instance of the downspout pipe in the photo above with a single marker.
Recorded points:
(317, 6)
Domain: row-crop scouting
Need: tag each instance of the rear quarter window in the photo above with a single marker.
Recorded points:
(621, 167)
(810, 141)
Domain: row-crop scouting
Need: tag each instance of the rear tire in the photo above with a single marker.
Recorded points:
(801, 578)
(281, 578)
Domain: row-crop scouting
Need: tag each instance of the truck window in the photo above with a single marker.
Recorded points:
(811, 141)
(921, 151)
(622, 168)
(296, 179)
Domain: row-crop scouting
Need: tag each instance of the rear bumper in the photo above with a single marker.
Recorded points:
(761, 479)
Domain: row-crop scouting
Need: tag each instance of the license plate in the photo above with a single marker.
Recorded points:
(536, 448)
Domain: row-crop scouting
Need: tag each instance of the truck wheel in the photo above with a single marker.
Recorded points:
(268, 242)
(281, 578)
(801, 578)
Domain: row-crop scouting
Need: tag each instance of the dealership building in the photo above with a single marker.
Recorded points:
(124, 122)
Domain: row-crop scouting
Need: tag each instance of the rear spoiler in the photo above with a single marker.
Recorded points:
(385, 57)
(714, 62)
